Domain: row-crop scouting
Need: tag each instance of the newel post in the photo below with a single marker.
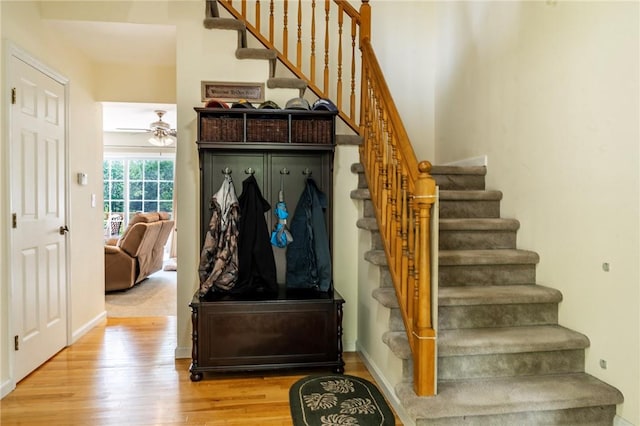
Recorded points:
(365, 21)
(424, 335)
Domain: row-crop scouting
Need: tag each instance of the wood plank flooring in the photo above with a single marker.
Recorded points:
(124, 373)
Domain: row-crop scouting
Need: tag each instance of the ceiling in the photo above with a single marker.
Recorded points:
(113, 43)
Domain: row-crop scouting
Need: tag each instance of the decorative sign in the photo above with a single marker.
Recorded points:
(231, 92)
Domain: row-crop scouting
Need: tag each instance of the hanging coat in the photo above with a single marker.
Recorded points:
(308, 256)
(218, 269)
(256, 264)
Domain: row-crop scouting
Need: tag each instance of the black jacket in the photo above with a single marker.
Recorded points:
(256, 264)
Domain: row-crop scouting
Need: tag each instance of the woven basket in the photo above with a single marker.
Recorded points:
(267, 130)
(221, 129)
(311, 131)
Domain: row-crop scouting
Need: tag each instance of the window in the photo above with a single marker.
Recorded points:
(137, 185)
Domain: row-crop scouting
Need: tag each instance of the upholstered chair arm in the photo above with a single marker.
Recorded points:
(119, 269)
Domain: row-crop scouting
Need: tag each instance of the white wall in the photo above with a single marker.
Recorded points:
(403, 35)
(22, 26)
(549, 92)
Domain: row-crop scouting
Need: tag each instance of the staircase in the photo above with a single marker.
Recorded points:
(502, 357)
(213, 21)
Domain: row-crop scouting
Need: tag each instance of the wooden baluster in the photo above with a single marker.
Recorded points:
(285, 30)
(258, 16)
(327, 5)
(339, 83)
(244, 9)
(404, 244)
(411, 270)
(299, 41)
(424, 356)
(352, 102)
(271, 23)
(312, 62)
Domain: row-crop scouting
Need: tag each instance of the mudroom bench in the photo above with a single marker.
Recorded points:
(291, 327)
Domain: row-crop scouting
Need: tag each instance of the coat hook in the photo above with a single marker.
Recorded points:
(249, 171)
(226, 171)
(307, 172)
(284, 171)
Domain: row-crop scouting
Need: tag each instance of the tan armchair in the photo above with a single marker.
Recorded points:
(138, 253)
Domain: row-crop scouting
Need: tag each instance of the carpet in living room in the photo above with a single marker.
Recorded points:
(153, 297)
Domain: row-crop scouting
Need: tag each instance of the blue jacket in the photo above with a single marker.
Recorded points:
(308, 256)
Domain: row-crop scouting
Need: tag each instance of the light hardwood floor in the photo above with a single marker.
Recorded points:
(124, 373)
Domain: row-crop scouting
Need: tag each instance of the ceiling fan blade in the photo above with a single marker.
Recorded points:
(132, 129)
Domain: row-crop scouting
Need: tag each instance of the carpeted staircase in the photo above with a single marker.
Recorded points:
(213, 21)
(502, 357)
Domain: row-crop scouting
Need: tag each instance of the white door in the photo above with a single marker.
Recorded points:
(38, 204)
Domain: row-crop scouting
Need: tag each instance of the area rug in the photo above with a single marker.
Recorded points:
(338, 400)
(153, 297)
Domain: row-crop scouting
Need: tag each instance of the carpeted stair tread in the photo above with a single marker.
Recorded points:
(286, 83)
(361, 194)
(224, 24)
(475, 195)
(487, 257)
(256, 53)
(479, 341)
(349, 140)
(377, 257)
(386, 296)
(398, 342)
(459, 170)
(497, 295)
(368, 223)
(357, 168)
(479, 224)
(457, 399)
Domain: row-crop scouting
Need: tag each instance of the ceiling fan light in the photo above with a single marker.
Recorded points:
(162, 140)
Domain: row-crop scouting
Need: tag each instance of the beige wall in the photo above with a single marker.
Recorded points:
(22, 26)
(549, 92)
(403, 35)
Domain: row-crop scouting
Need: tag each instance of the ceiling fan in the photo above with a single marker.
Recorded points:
(161, 132)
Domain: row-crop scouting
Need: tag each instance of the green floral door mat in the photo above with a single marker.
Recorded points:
(338, 400)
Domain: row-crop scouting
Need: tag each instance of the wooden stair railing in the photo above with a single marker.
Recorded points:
(310, 50)
(402, 190)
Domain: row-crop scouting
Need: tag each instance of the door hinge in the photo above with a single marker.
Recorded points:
(14, 220)
(13, 96)
(16, 343)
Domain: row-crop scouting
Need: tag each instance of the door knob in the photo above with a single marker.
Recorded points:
(63, 229)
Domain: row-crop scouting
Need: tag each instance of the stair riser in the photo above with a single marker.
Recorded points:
(588, 416)
(459, 182)
(368, 210)
(362, 181)
(477, 240)
(458, 209)
(376, 241)
(510, 365)
(487, 316)
(395, 320)
(486, 275)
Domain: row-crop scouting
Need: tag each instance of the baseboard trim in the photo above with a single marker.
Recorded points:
(182, 352)
(474, 161)
(387, 388)
(6, 388)
(88, 327)
(619, 421)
